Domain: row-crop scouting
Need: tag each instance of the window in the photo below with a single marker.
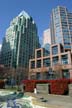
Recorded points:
(38, 63)
(38, 53)
(45, 75)
(46, 52)
(32, 64)
(70, 28)
(64, 59)
(59, 39)
(58, 29)
(67, 46)
(55, 50)
(55, 60)
(46, 62)
(38, 76)
(66, 73)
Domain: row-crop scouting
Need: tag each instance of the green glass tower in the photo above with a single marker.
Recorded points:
(20, 41)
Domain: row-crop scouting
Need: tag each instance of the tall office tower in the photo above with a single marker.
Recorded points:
(61, 27)
(46, 37)
(20, 41)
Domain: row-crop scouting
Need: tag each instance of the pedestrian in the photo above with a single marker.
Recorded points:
(35, 90)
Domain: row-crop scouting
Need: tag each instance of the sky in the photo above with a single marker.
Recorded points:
(40, 10)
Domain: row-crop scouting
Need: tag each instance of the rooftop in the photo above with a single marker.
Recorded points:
(24, 14)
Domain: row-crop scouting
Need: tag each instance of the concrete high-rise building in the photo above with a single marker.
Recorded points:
(20, 41)
(61, 27)
(46, 37)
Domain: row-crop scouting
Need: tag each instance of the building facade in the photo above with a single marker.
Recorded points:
(46, 37)
(51, 65)
(20, 41)
(61, 27)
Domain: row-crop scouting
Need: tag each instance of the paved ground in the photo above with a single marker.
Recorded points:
(40, 100)
(52, 101)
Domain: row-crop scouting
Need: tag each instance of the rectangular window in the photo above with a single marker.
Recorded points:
(66, 46)
(55, 60)
(38, 75)
(39, 54)
(46, 62)
(46, 52)
(66, 73)
(38, 63)
(32, 64)
(64, 59)
(55, 50)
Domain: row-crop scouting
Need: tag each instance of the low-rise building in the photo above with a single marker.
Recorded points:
(51, 64)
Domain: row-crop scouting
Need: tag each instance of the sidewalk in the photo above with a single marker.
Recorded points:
(51, 101)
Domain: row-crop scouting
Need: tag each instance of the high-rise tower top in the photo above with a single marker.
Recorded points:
(24, 14)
